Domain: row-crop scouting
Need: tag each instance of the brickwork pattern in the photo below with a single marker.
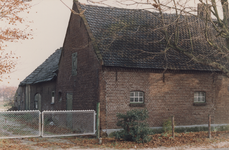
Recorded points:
(222, 101)
(174, 96)
(85, 84)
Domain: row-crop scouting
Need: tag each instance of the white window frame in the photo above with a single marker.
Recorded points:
(53, 97)
(136, 97)
(35, 104)
(199, 97)
(37, 101)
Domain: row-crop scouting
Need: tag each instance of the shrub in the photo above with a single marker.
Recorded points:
(167, 126)
(134, 127)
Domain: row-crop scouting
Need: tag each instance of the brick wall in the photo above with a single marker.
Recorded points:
(174, 96)
(222, 101)
(84, 85)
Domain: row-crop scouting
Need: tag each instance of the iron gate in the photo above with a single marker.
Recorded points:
(33, 123)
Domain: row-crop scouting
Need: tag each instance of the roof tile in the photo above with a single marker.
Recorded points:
(131, 38)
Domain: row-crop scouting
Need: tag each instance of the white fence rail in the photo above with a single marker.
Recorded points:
(19, 124)
(68, 123)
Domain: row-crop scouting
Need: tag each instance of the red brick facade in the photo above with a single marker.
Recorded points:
(173, 95)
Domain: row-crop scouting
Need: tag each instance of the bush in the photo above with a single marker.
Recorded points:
(134, 127)
(167, 126)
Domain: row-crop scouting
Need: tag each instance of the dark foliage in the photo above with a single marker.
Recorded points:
(134, 126)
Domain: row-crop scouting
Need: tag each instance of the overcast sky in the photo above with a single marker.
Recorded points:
(50, 19)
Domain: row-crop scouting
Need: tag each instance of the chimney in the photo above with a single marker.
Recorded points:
(203, 11)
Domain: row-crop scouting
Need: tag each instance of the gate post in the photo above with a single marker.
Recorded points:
(173, 134)
(98, 120)
(209, 126)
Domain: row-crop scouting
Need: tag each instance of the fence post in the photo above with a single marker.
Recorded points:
(209, 126)
(173, 134)
(40, 123)
(98, 120)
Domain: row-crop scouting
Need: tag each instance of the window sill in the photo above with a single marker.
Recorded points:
(199, 104)
(136, 104)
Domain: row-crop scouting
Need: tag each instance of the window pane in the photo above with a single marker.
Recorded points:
(199, 97)
(201, 94)
(196, 94)
(195, 99)
(202, 99)
(36, 105)
(52, 100)
(136, 93)
(136, 99)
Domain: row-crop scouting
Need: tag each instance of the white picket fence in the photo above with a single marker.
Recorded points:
(33, 123)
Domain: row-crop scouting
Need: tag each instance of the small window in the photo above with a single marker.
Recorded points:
(53, 97)
(199, 97)
(136, 97)
(36, 103)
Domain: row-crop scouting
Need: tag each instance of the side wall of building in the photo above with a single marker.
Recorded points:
(45, 90)
(80, 85)
(164, 96)
(222, 101)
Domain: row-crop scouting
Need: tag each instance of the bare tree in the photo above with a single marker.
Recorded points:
(7, 93)
(10, 31)
(195, 34)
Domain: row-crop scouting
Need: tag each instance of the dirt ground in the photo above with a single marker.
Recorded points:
(182, 141)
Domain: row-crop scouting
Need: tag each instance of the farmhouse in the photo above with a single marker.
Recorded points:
(37, 90)
(107, 57)
(118, 58)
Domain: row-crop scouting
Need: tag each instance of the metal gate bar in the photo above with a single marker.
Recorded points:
(33, 123)
(20, 124)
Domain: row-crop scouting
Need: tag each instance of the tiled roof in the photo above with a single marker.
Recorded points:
(131, 38)
(46, 71)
